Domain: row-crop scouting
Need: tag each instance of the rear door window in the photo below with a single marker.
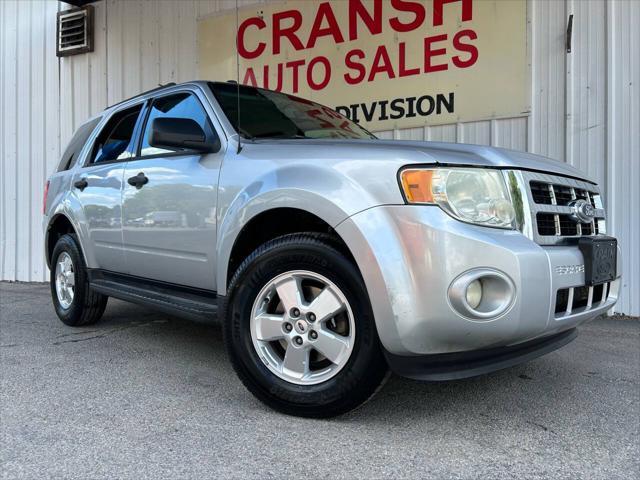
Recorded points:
(71, 153)
(114, 141)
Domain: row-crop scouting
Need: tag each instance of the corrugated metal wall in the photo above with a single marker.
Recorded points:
(585, 105)
(622, 131)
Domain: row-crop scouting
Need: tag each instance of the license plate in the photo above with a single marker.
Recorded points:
(600, 259)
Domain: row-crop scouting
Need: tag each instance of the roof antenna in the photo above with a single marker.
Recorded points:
(238, 80)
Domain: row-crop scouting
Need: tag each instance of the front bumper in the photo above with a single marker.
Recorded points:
(454, 366)
(409, 255)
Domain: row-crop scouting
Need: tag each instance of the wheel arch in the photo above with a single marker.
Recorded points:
(266, 225)
(59, 225)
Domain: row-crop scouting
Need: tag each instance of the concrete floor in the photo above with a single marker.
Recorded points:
(144, 395)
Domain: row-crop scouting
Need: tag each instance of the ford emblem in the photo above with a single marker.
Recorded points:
(583, 211)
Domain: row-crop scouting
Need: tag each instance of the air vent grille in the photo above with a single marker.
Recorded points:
(75, 31)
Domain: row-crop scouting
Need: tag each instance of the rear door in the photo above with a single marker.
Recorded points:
(169, 219)
(98, 186)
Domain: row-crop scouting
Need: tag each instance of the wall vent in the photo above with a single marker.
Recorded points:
(75, 31)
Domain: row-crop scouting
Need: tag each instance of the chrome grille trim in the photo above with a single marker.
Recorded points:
(527, 209)
(552, 193)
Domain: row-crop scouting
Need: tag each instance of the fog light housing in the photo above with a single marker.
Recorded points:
(474, 294)
(482, 294)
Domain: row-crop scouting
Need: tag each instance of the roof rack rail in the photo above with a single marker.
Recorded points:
(159, 87)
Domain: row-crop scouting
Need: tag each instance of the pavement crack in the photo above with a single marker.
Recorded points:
(543, 427)
(84, 332)
(76, 340)
(101, 335)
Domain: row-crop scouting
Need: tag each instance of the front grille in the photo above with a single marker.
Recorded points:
(564, 195)
(579, 299)
(567, 226)
(546, 224)
(551, 203)
(588, 196)
(550, 224)
(552, 194)
(541, 193)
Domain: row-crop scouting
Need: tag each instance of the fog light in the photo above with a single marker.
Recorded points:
(482, 294)
(474, 294)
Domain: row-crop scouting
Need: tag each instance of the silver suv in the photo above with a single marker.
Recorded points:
(329, 255)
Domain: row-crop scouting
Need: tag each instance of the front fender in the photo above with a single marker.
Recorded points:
(323, 192)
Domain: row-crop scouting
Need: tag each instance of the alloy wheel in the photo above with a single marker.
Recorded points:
(302, 327)
(65, 280)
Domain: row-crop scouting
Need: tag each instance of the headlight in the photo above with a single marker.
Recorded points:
(474, 195)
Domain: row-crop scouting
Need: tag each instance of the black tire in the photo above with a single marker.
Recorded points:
(87, 306)
(362, 375)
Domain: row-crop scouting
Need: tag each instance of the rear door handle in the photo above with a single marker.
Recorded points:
(138, 180)
(81, 184)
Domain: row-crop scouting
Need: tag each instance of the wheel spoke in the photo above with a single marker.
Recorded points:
(289, 292)
(331, 345)
(59, 291)
(326, 305)
(71, 279)
(269, 327)
(296, 362)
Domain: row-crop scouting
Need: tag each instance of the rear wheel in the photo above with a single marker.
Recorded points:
(74, 301)
(299, 328)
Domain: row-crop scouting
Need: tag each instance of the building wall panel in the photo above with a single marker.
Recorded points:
(623, 141)
(8, 145)
(547, 121)
(586, 89)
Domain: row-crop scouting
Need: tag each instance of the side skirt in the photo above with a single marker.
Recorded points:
(174, 299)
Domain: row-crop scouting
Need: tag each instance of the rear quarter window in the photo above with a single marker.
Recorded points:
(80, 137)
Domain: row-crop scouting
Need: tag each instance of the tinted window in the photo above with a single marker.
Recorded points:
(115, 137)
(180, 105)
(268, 114)
(74, 147)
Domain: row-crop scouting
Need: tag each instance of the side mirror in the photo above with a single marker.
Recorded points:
(171, 133)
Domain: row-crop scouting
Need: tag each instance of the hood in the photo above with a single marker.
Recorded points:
(412, 152)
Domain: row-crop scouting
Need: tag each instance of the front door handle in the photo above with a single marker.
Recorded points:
(81, 184)
(138, 180)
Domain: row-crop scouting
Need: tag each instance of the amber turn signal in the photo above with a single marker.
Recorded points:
(417, 185)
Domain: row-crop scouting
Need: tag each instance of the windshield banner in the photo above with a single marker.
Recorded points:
(383, 63)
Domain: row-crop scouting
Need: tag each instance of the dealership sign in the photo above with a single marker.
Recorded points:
(384, 63)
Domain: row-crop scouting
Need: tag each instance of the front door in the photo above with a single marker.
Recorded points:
(169, 203)
(98, 187)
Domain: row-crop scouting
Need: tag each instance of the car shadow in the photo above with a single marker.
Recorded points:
(529, 388)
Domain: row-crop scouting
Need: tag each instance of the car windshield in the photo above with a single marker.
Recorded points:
(269, 114)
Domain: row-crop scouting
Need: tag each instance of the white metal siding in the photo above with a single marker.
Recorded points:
(29, 131)
(622, 169)
(585, 105)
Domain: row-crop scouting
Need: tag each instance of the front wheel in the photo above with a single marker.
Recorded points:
(299, 328)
